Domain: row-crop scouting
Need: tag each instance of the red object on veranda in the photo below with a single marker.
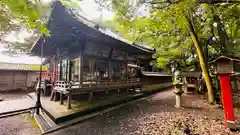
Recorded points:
(227, 98)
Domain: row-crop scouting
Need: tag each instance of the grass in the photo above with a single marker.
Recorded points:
(28, 117)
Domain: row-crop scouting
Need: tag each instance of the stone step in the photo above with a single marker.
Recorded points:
(42, 123)
(48, 119)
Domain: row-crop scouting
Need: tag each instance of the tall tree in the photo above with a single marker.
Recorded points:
(173, 27)
(23, 12)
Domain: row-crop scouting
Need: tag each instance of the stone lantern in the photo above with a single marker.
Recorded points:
(178, 91)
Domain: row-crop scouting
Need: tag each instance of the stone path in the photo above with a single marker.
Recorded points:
(14, 105)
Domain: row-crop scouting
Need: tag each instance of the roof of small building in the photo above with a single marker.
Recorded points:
(145, 73)
(225, 57)
(20, 67)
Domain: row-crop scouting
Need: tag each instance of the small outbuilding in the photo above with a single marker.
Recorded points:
(18, 76)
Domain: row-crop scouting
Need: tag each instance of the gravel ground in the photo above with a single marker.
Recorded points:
(156, 116)
(153, 116)
(19, 125)
(13, 95)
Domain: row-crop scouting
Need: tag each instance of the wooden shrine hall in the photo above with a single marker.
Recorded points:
(85, 58)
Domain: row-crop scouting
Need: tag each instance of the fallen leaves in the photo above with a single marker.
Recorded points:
(197, 118)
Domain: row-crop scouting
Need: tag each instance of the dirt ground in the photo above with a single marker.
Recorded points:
(19, 125)
(153, 116)
(156, 116)
(12, 95)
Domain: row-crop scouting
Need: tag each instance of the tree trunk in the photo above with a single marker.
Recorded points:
(202, 63)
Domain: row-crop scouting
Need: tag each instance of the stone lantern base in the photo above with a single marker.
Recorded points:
(178, 94)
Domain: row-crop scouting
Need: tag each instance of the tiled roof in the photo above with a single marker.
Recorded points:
(20, 67)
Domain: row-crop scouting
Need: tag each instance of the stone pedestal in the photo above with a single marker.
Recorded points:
(178, 101)
(178, 92)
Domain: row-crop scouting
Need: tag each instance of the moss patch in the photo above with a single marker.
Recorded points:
(35, 67)
(27, 117)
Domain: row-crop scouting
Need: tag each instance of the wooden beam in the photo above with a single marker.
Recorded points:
(105, 59)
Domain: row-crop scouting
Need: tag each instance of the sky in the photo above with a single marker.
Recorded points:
(88, 7)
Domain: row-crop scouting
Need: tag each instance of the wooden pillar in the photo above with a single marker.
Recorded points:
(126, 71)
(67, 66)
(13, 79)
(126, 66)
(60, 70)
(90, 97)
(26, 80)
(80, 69)
(69, 70)
(61, 98)
(55, 96)
(69, 101)
(52, 95)
(110, 70)
(110, 65)
(235, 83)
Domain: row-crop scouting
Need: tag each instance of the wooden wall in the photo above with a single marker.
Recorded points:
(16, 79)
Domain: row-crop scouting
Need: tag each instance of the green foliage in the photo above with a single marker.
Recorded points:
(166, 28)
(25, 12)
(18, 15)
